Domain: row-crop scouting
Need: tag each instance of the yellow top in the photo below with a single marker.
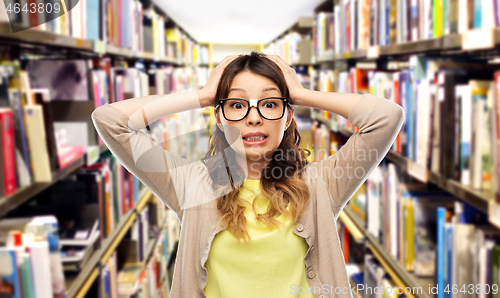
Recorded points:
(270, 265)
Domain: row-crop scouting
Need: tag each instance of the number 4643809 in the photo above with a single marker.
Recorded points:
(34, 8)
(478, 289)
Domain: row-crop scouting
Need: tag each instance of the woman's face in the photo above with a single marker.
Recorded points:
(248, 85)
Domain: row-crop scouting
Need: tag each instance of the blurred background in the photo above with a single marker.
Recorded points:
(75, 223)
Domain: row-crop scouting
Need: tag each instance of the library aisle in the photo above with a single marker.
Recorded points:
(74, 222)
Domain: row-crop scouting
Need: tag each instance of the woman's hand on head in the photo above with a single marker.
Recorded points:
(292, 81)
(207, 94)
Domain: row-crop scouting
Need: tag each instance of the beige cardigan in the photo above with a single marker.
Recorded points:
(332, 182)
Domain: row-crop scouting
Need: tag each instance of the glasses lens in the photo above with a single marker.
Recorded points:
(235, 109)
(270, 108)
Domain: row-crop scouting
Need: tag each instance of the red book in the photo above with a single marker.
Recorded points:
(125, 188)
(8, 151)
(345, 244)
(68, 154)
(109, 209)
(105, 64)
(130, 190)
(398, 101)
(121, 186)
(33, 17)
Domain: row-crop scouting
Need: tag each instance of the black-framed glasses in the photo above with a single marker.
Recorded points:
(269, 108)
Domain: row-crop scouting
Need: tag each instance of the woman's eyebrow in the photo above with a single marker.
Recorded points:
(263, 90)
(269, 89)
(237, 89)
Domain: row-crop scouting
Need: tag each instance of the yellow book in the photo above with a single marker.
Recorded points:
(35, 133)
(410, 233)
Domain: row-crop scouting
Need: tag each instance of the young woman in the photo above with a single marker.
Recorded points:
(256, 220)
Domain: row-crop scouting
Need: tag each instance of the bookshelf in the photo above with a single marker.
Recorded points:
(478, 198)
(450, 44)
(34, 37)
(402, 277)
(390, 41)
(24, 194)
(79, 286)
(294, 45)
(181, 53)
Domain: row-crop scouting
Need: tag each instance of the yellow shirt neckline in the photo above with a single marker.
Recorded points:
(251, 183)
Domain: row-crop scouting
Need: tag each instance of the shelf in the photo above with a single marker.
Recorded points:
(391, 266)
(451, 42)
(124, 52)
(26, 193)
(78, 287)
(42, 37)
(479, 199)
(30, 38)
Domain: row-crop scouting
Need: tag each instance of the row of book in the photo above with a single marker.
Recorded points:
(38, 252)
(429, 232)
(146, 278)
(287, 47)
(359, 24)
(368, 277)
(46, 104)
(451, 125)
(123, 23)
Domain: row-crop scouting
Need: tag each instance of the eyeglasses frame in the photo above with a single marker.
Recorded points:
(253, 103)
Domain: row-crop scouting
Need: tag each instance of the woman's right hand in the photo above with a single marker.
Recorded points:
(206, 95)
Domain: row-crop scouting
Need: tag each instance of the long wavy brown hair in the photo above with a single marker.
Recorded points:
(288, 188)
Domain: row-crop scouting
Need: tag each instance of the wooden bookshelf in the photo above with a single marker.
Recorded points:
(25, 194)
(440, 45)
(32, 38)
(78, 287)
(402, 277)
(479, 199)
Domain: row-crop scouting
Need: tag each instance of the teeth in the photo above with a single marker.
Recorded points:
(255, 138)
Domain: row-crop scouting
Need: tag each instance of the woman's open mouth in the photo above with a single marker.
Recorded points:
(257, 140)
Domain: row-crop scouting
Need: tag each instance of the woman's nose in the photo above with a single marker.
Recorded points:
(253, 116)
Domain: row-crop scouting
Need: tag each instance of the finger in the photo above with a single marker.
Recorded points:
(227, 60)
(281, 63)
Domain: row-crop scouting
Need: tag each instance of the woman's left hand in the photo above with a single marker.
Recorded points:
(291, 78)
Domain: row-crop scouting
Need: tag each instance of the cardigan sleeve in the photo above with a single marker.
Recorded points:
(167, 176)
(379, 121)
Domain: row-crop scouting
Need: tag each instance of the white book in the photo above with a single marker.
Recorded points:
(393, 195)
(373, 201)
(465, 139)
(488, 14)
(463, 14)
(40, 266)
(337, 29)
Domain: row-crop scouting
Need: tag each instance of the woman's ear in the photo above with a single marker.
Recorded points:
(217, 120)
(289, 117)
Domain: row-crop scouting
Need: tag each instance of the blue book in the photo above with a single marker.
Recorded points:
(9, 277)
(441, 213)
(409, 113)
(93, 19)
(414, 143)
(136, 189)
(387, 26)
(24, 142)
(478, 22)
(126, 23)
(449, 259)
